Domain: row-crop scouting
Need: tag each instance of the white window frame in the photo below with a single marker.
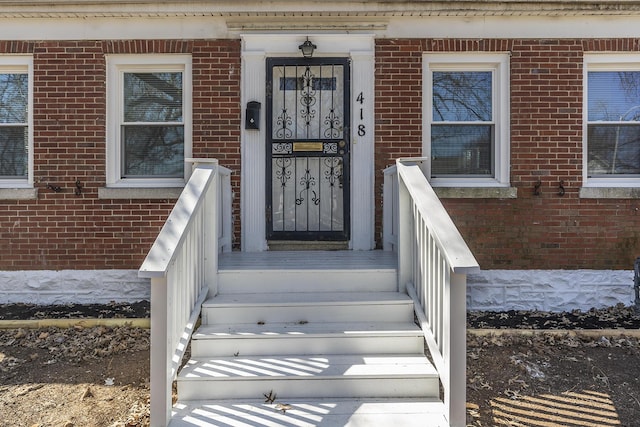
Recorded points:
(117, 66)
(21, 64)
(604, 62)
(498, 64)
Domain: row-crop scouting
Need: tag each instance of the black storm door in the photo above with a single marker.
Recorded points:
(307, 149)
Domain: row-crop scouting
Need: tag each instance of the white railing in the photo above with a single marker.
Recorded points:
(433, 263)
(182, 265)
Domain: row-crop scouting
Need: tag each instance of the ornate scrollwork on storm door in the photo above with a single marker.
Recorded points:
(307, 148)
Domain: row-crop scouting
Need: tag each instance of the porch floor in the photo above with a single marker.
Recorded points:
(308, 260)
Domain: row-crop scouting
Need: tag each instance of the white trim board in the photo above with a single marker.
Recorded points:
(208, 27)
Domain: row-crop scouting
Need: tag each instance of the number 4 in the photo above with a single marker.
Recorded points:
(360, 98)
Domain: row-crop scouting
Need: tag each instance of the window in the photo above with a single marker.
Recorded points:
(16, 131)
(612, 120)
(466, 119)
(149, 132)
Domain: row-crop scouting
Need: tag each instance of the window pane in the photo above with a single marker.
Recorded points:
(13, 152)
(462, 150)
(614, 149)
(462, 96)
(153, 97)
(614, 96)
(298, 83)
(13, 98)
(153, 151)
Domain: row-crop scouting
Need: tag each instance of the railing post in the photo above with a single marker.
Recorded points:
(226, 210)
(389, 209)
(161, 381)
(387, 219)
(455, 397)
(405, 231)
(211, 234)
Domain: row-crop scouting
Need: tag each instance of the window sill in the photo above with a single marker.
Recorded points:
(610, 193)
(139, 193)
(476, 192)
(18, 193)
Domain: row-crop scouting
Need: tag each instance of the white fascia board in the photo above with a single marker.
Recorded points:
(120, 28)
(517, 27)
(208, 27)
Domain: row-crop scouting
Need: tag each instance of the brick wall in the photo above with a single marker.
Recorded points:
(216, 110)
(398, 108)
(64, 231)
(531, 232)
(61, 230)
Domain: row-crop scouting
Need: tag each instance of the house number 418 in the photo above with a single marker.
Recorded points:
(361, 127)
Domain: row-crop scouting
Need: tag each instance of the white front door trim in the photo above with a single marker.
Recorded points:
(360, 48)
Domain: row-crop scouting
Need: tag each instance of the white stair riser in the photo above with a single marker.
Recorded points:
(257, 281)
(269, 416)
(252, 346)
(287, 388)
(308, 313)
(307, 413)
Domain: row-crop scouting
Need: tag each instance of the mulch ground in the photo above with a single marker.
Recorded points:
(136, 310)
(620, 316)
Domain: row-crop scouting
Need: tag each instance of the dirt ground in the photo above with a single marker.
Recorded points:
(74, 377)
(99, 376)
(553, 380)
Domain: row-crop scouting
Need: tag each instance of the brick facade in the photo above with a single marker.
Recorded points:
(62, 230)
(547, 231)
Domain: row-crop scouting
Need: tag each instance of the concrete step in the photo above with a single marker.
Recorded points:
(254, 281)
(295, 307)
(311, 413)
(307, 338)
(296, 376)
(307, 271)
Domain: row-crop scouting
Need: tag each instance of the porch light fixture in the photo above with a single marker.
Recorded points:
(307, 48)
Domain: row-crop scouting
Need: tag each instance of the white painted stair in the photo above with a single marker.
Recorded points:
(282, 345)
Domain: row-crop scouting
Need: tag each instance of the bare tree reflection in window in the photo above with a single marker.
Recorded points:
(614, 123)
(13, 125)
(462, 131)
(153, 129)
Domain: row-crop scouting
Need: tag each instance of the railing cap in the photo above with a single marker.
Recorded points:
(444, 231)
(203, 162)
(162, 252)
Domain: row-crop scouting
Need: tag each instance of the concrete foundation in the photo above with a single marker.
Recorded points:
(547, 290)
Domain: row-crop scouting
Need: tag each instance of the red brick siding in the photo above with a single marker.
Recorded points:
(65, 231)
(62, 230)
(398, 107)
(530, 232)
(216, 110)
